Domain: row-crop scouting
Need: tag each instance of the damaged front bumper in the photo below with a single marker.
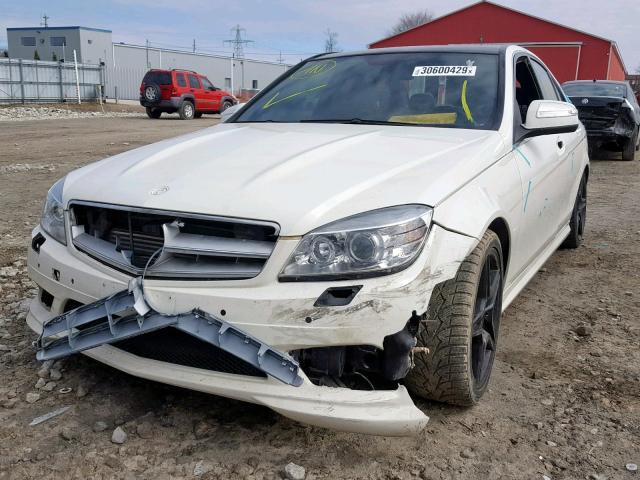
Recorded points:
(281, 318)
(286, 389)
(126, 315)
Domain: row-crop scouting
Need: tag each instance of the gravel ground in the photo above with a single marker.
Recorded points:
(55, 112)
(564, 402)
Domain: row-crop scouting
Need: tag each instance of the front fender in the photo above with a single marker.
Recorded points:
(495, 193)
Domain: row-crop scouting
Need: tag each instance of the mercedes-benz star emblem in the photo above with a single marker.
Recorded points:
(159, 190)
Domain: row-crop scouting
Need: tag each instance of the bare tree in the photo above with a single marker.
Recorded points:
(331, 42)
(407, 21)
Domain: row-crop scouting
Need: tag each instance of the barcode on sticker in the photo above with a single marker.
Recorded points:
(448, 70)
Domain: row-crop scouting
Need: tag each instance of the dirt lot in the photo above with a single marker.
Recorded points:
(561, 405)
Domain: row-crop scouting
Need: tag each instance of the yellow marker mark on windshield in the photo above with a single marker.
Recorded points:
(465, 105)
(272, 101)
(427, 118)
(314, 69)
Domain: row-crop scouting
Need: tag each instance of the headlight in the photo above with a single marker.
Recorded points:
(369, 244)
(53, 213)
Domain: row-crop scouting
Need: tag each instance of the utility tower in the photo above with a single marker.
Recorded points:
(238, 42)
(45, 21)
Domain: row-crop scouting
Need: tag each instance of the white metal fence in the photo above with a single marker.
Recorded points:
(124, 83)
(33, 81)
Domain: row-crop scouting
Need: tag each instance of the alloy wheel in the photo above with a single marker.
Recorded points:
(486, 319)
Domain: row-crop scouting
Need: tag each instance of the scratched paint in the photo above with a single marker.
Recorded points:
(526, 198)
(524, 157)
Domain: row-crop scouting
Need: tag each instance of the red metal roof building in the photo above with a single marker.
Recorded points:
(571, 54)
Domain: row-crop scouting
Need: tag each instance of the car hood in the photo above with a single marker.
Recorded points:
(301, 176)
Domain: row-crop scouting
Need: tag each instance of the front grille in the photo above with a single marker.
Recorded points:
(164, 244)
(173, 346)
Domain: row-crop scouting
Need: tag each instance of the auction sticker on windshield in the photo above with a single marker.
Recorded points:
(448, 70)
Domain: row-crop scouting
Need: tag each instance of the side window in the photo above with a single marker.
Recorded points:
(526, 87)
(180, 80)
(194, 82)
(544, 81)
(206, 84)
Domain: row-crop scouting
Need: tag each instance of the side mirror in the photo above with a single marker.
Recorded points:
(547, 117)
(230, 112)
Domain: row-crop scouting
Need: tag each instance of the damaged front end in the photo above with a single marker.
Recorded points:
(331, 353)
(353, 388)
(362, 367)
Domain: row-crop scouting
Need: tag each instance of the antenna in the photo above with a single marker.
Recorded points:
(45, 20)
(194, 45)
(238, 42)
(280, 59)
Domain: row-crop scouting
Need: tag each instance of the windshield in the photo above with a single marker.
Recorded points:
(594, 89)
(423, 88)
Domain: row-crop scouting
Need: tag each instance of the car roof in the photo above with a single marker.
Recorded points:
(460, 48)
(173, 70)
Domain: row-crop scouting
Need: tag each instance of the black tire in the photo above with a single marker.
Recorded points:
(152, 94)
(629, 149)
(197, 115)
(153, 113)
(226, 104)
(462, 351)
(578, 217)
(187, 110)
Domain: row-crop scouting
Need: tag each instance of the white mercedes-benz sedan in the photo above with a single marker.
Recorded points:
(350, 235)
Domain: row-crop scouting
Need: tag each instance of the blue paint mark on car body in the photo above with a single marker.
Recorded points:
(524, 157)
(526, 198)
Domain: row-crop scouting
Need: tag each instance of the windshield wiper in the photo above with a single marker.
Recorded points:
(357, 121)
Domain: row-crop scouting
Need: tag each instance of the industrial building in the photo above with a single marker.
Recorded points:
(125, 64)
(129, 63)
(571, 54)
(92, 45)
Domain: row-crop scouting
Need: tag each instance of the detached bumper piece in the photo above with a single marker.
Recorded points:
(116, 318)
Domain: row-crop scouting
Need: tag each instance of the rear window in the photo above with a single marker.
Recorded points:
(180, 79)
(595, 89)
(160, 78)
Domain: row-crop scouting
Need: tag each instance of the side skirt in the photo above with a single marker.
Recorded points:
(525, 277)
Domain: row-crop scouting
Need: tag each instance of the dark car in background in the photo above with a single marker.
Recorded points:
(609, 111)
(183, 91)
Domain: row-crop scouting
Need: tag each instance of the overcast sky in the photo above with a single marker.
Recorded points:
(296, 27)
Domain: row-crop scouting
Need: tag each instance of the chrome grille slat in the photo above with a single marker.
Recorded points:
(174, 245)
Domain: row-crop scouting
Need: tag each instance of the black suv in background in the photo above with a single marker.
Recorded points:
(609, 111)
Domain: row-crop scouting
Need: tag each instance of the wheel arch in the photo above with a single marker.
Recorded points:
(501, 228)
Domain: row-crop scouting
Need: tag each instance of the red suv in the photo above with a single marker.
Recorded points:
(188, 93)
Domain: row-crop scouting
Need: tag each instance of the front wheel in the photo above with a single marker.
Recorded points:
(226, 104)
(461, 330)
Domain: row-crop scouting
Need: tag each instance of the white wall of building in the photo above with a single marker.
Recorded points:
(130, 63)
